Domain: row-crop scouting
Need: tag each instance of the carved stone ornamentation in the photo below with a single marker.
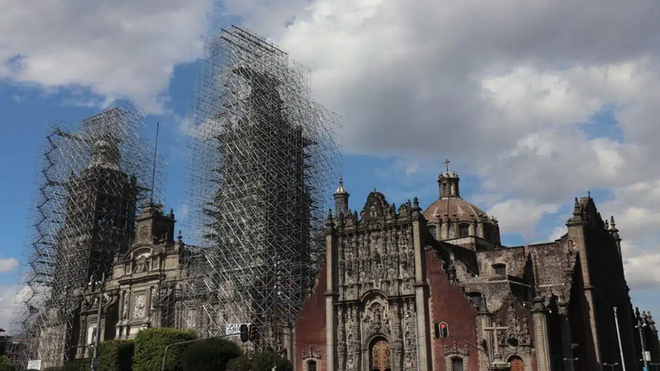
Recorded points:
(517, 332)
(341, 339)
(139, 308)
(455, 350)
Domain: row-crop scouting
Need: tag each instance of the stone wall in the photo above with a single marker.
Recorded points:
(310, 328)
(448, 304)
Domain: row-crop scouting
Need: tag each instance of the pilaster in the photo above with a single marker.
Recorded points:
(421, 293)
(330, 294)
(541, 344)
(576, 233)
(483, 321)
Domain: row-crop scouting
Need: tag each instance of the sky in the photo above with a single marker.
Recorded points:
(534, 103)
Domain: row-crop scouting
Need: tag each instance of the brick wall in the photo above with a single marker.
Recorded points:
(449, 305)
(310, 326)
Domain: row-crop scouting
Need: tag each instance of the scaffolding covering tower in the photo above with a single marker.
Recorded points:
(265, 157)
(91, 185)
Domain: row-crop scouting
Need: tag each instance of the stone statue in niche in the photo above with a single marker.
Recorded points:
(373, 212)
(125, 310)
(142, 264)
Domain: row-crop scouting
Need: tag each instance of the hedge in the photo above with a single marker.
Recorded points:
(82, 364)
(117, 355)
(6, 365)
(260, 362)
(150, 346)
(211, 354)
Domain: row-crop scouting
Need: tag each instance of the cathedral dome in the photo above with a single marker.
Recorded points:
(454, 208)
(451, 217)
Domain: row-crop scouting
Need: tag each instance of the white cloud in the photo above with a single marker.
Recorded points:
(7, 264)
(118, 49)
(557, 233)
(518, 216)
(7, 299)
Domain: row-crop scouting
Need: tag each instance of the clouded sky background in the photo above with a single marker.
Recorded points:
(535, 102)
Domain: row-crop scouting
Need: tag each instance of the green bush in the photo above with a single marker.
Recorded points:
(53, 368)
(150, 346)
(82, 364)
(260, 362)
(242, 363)
(117, 355)
(6, 365)
(209, 355)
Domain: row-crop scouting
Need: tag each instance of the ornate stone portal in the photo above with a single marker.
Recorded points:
(375, 309)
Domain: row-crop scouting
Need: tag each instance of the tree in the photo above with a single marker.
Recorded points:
(150, 347)
(211, 354)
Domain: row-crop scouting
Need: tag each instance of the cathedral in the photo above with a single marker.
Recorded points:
(412, 289)
(409, 289)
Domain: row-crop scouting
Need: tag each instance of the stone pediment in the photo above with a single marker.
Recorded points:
(138, 250)
(376, 210)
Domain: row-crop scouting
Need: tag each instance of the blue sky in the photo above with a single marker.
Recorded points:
(532, 108)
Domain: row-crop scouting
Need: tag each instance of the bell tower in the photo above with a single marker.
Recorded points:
(448, 183)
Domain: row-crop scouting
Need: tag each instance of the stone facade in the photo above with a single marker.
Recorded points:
(393, 275)
(141, 291)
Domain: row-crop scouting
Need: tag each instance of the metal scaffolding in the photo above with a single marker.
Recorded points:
(92, 182)
(265, 159)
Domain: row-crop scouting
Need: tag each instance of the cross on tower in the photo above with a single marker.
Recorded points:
(447, 165)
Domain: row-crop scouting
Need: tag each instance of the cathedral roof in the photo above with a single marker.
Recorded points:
(454, 208)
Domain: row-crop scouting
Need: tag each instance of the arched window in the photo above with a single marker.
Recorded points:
(500, 269)
(380, 355)
(463, 230)
(311, 365)
(457, 364)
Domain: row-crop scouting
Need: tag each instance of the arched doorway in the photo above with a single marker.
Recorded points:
(517, 364)
(380, 355)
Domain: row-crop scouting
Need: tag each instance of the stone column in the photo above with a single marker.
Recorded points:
(421, 293)
(541, 344)
(483, 321)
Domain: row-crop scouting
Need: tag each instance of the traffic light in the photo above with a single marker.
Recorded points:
(244, 332)
(441, 330)
(253, 332)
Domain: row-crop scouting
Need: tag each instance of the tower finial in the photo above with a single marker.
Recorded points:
(447, 164)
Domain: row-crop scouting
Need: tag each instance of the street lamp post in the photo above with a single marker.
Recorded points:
(640, 326)
(571, 360)
(618, 335)
(611, 365)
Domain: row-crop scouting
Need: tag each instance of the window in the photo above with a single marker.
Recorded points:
(432, 231)
(457, 364)
(311, 366)
(476, 298)
(500, 269)
(463, 230)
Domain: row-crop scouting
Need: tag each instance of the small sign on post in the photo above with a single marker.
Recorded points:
(234, 328)
(647, 356)
(34, 364)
